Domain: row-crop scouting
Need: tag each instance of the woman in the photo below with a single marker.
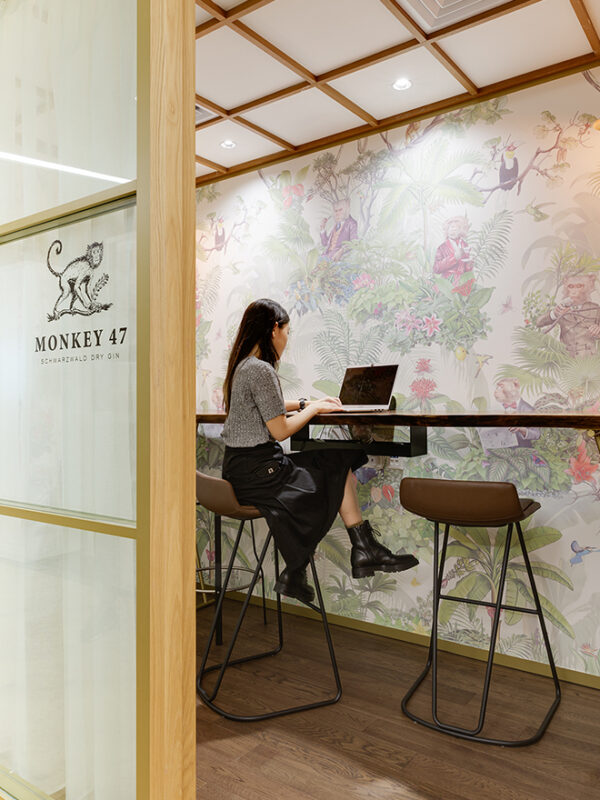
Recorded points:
(299, 494)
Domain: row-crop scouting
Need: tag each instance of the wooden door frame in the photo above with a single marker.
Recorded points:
(166, 699)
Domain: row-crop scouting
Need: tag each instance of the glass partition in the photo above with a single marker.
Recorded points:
(67, 672)
(67, 367)
(68, 89)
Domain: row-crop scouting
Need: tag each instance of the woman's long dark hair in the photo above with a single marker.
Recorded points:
(256, 328)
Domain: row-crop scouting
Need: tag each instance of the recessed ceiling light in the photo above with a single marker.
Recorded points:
(228, 144)
(401, 84)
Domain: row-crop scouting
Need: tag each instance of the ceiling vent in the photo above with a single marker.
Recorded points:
(202, 114)
(437, 14)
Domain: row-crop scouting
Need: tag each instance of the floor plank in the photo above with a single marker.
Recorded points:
(364, 747)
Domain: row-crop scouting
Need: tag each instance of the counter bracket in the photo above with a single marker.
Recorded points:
(416, 446)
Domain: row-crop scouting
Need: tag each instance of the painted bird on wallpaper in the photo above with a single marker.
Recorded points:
(509, 168)
(535, 210)
(580, 552)
(482, 360)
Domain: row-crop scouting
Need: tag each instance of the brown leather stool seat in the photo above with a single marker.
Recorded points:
(217, 496)
(473, 504)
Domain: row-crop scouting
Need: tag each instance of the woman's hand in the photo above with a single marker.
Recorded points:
(328, 404)
(281, 427)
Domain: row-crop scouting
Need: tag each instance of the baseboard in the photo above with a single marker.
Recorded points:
(522, 664)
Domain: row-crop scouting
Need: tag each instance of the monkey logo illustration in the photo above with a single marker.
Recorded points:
(78, 290)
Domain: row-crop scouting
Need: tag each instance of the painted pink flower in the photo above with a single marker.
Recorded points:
(289, 192)
(218, 400)
(378, 310)
(595, 409)
(423, 365)
(406, 319)
(364, 281)
(210, 554)
(423, 388)
(432, 324)
(588, 650)
(388, 491)
(376, 494)
(465, 288)
(581, 467)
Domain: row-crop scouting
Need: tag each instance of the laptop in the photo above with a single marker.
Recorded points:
(368, 388)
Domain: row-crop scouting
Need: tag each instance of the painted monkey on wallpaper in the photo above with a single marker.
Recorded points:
(345, 229)
(577, 316)
(508, 393)
(453, 256)
(74, 282)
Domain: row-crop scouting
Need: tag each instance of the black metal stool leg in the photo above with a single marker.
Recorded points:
(492, 648)
(321, 610)
(438, 576)
(466, 733)
(262, 573)
(219, 605)
(227, 660)
(218, 565)
(209, 698)
(540, 616)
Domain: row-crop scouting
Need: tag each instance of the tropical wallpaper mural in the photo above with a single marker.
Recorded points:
(466, 248)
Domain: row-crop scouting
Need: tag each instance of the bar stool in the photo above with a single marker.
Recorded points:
(217, 495)
(473, 504)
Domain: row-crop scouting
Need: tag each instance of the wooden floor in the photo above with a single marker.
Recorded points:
(364, 748)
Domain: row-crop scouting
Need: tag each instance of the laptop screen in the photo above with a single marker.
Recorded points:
(368, 385)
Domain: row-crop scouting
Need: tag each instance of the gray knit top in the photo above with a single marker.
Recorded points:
(255, 399)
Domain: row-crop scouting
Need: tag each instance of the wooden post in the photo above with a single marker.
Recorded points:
(166, 728)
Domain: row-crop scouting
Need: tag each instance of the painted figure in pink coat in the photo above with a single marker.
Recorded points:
(453, 256)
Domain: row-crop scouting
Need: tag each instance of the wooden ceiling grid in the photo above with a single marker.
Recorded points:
(231, 19)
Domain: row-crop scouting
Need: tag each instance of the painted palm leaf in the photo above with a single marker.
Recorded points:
(551, 613)
(475, 586)
(339, 345)
(544, 570)
(489, 246)
(335, 552)
(535, 539)
(582, 373)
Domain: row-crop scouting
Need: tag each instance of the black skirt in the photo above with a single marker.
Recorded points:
(299, 494)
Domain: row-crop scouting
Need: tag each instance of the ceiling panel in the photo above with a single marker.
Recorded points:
(593, 7)
(231, 70)
(533, 37)
(201, 15)
(249, 145)
(285, 47)
(323, 35)
(371, 88)
(303, 117)
(202, 170)
(229, 4)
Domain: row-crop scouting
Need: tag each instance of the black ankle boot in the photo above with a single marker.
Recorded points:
(293, 583)
(368, 555)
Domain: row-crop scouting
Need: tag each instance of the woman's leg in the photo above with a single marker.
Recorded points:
(349, 509)
(367, 554)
